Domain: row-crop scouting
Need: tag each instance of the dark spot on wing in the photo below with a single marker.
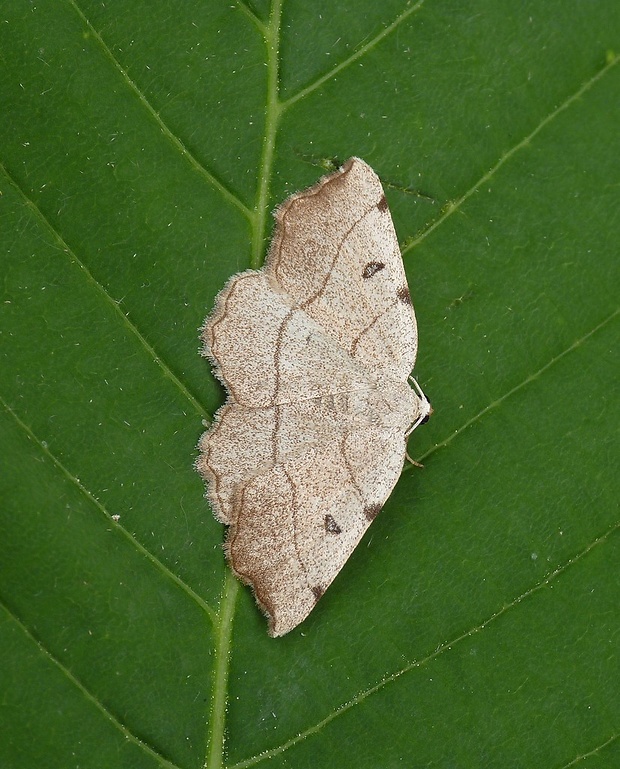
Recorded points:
(372, 268)
(331, 526)
(404, 295)
(382, 205)
(318, 591)
(372, 511)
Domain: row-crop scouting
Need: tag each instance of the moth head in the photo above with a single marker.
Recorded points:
(423, 407)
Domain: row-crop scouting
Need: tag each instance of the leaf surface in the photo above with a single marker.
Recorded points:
(142, 149)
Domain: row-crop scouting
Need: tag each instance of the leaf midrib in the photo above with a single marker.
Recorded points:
(258, 217)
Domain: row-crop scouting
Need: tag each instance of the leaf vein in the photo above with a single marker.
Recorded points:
(446, 646)
(211, 178)
(532, 377)
(219, 694)
(116, 305)
(91, 498)
(353, 58)
(252, 15)
(592, 752)
(273, 112)
(455, 205)
(108, 715)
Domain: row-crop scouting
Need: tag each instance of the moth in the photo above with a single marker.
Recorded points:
(315, 351)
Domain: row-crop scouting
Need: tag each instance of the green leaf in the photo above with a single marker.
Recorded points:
(143, 147)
